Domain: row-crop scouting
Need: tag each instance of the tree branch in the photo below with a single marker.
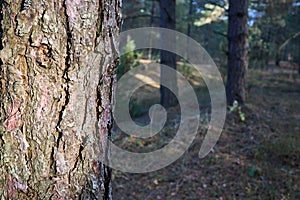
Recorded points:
(220, 33)
(140, 16)
(288, 40)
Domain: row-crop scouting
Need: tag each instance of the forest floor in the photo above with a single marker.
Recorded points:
(258, 158)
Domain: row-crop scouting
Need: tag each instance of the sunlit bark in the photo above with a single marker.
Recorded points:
(56, 97)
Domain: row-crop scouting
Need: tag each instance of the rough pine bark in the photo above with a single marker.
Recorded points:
(58, 61)
(237, 51)
(168, 20)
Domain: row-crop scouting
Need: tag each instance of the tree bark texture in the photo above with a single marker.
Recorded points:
(237, 51)
(58, 61)
(168, 20)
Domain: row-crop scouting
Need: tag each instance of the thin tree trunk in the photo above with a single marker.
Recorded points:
(56, 97)
(167, 20)
(190, 24)
(298, 56)
(237, 51)
(151, 25)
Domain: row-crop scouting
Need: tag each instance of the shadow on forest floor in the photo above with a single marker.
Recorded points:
(257, 158)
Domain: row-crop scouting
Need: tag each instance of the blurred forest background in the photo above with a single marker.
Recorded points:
(258, 154)
(273, 28)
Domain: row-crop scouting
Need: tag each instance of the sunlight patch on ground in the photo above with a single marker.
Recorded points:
(147, 80)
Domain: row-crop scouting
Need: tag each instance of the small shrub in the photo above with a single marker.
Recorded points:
(128, 60)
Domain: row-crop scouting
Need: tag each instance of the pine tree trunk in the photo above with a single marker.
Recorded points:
(167, 20)
(299, 56)
(57, 74)
(237, 51)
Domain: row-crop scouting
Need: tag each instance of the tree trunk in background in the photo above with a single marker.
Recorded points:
(298, 55)
(151, 25)
(237, 51)
(190, 24)
(167, 20)
(56, 96)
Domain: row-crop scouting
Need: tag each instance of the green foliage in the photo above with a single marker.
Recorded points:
(186, 70)
(211, 12)
(285, 147)
(290, 172)
(129, 60)
(254, 170)
(271, 29)
(237, 108)
(272, 25)
(135, 108)
(137, 13)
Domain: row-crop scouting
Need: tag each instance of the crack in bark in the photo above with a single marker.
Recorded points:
(99, 109)
(79, 157)
(107, 181)
(85, 113)
(66, 89)
(52, 161)
(107, 170)
(104, 170)
(65, 101)
(108, 76)
(65, 76)
(99, 24)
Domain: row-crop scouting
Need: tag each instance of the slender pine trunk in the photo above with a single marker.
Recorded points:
(237, 51)
(167, 20)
